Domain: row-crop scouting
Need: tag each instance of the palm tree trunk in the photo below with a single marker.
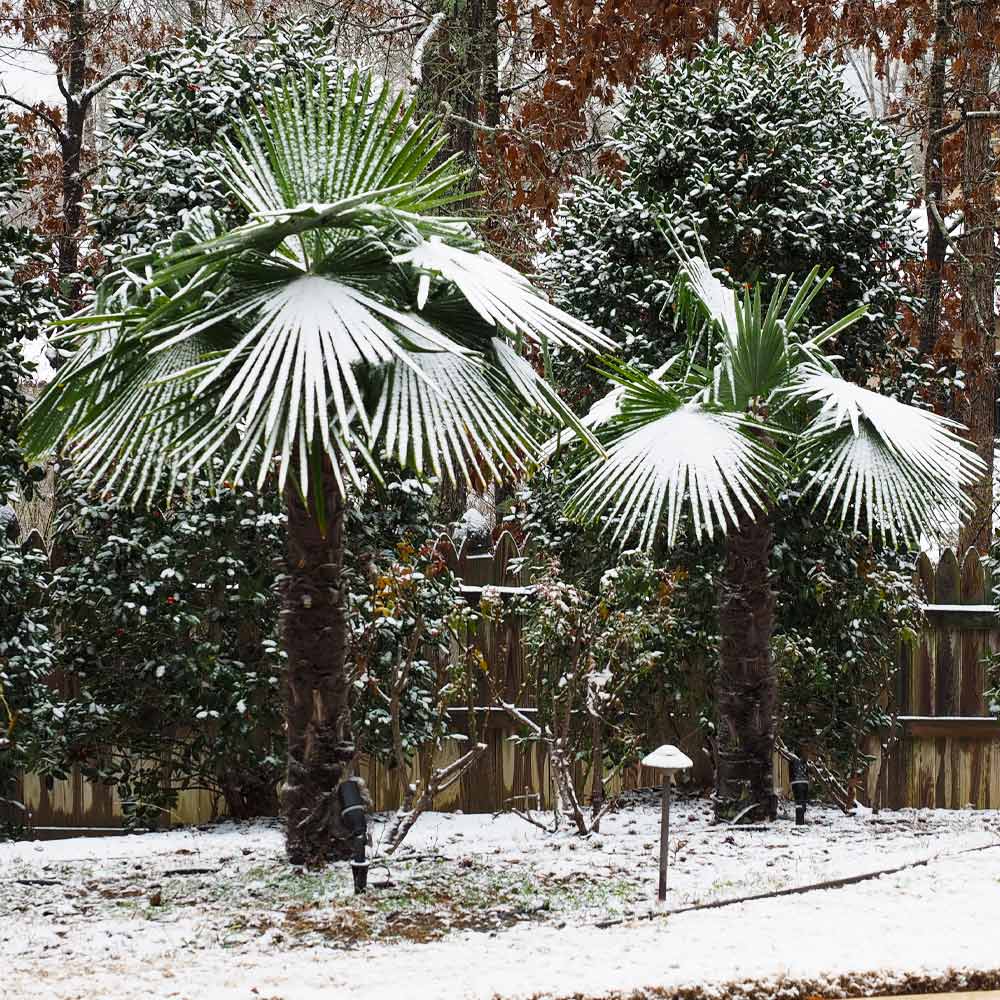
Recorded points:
(747, 685)
(320, 744)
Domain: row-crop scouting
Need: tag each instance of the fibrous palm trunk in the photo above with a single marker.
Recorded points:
(320, 744)
(747, 685)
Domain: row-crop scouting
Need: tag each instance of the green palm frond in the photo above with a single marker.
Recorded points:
(709, 441)
(342, 321)
(760, 348)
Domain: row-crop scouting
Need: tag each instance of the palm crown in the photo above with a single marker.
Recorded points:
(747, 407)
(344, 321)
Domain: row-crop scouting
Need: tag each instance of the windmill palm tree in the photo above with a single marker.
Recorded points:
(750, 406)
(345, 323)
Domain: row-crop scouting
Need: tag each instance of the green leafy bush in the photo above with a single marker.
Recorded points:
(405, 607)
(26, 661)
(593, 655)
(167, 622)
(761, 155)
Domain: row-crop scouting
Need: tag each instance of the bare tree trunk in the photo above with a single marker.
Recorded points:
(747, 684)
(978, 282)
(71, 150)
(930, 319)
(320, 744)
(489, 46)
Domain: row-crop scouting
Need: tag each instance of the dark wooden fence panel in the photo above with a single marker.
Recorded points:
(948, 752)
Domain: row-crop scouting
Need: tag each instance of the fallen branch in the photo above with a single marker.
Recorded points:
(566, 797)
(439, 780)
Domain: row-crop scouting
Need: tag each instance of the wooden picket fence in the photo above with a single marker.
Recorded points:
(948, 751)
(945, 751)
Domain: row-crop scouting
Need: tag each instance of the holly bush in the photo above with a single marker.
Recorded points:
(26, 661)
(23, 312)
(161, 133)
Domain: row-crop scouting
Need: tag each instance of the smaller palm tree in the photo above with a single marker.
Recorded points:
(346, 323)
(748, 407)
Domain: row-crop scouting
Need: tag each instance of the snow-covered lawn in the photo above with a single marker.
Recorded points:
(494, 907)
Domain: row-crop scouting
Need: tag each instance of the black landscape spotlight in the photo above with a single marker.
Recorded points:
(352, 814)
(798, 778)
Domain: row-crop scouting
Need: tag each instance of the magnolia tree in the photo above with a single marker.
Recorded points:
(715, 432)
(22, 307)
(160, 135)
(346, 323)
(759, 155)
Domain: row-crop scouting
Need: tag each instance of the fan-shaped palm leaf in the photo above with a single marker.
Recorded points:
(501, 296)
(666, 454)
(307, 335)
(899, 467)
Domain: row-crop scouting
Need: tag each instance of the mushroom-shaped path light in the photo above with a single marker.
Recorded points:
(667, 759)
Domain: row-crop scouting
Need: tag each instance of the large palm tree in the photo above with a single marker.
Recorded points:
(345, 323)
(750, 406)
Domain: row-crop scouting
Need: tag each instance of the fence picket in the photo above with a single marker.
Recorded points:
(924, 577)
(974, 641)
(947, 591)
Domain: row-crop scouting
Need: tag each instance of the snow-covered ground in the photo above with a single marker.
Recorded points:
(496, 908)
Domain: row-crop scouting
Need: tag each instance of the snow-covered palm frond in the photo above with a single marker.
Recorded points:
(143, 406)
(718, 299)
(692, 458)
(298, 364)
(450, 414)
(502, 297)
(897, 466)
(292, 343)
(537, 394)
(668, 455)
